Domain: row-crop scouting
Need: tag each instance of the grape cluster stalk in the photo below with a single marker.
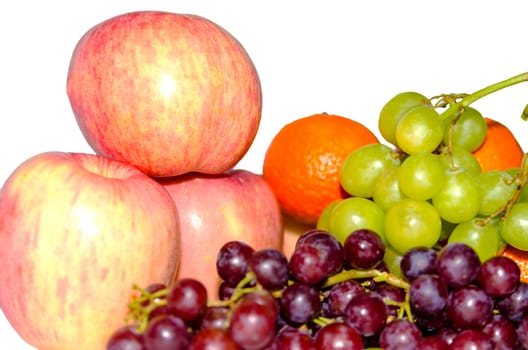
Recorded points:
(410, 260)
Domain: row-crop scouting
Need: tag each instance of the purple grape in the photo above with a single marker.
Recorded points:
(225, 291)
(469, 307)
(522, 332)
(418, 261)
(363, 249)
(400, 334)
(126, 338)
(290, 338)
(187, 299)
(215, 317)
(338, 335)
(389, 292)
(252, 325)
(471, 339)
(232, 262)
(428, 295)
(499, 276)
(432, 342)
(457, 264)
(213, 339)
(158, 311)
(166, 332)
(307, 265)
(340, 295)
(299, 303)
(270, 267)
(432, 323)
(447, 333)
(307, 234)
(264, 298)
(330, 246)
(502, 333)
(515, 305)
(367, 313)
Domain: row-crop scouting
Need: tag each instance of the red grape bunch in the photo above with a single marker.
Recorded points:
(333, 295)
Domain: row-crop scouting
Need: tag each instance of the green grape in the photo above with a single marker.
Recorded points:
(468, 131)
(412, 223)
(482, 238)
(355, 213)
(514, 228)
(523, 196)
(501, 243)
(323, 222)
(392, 260)
(361, 168)
(394, 109)
(421, 176)
(459, 199)
(497, 188)
(420, 130)
(387, 190)
(460, 157)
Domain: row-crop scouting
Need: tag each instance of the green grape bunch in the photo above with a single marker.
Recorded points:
(424, 187)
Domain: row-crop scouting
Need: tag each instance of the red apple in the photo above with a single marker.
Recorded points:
(215, 209)
(76, 232)
(168, 93)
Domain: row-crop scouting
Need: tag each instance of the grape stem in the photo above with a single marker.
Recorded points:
(376, 275)
(520, 180)
(468, 99)
(141, 306)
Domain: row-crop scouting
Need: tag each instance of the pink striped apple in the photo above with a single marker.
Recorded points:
(76, 232)
(168, 93)
(215, 209)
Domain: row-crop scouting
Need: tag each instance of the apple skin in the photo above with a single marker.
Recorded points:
(168, 93)
(76, 232)
(215, 209)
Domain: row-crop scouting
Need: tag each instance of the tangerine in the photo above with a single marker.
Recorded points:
(303, 161)
(520, 257)
(500, 149)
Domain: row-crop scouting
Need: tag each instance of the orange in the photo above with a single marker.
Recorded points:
(500, 149)
(303, 161)
(520, 257)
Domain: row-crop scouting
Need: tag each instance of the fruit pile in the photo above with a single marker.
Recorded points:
(409, 240)
(330, 295)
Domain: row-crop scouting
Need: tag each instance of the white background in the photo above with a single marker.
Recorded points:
(339, 57)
